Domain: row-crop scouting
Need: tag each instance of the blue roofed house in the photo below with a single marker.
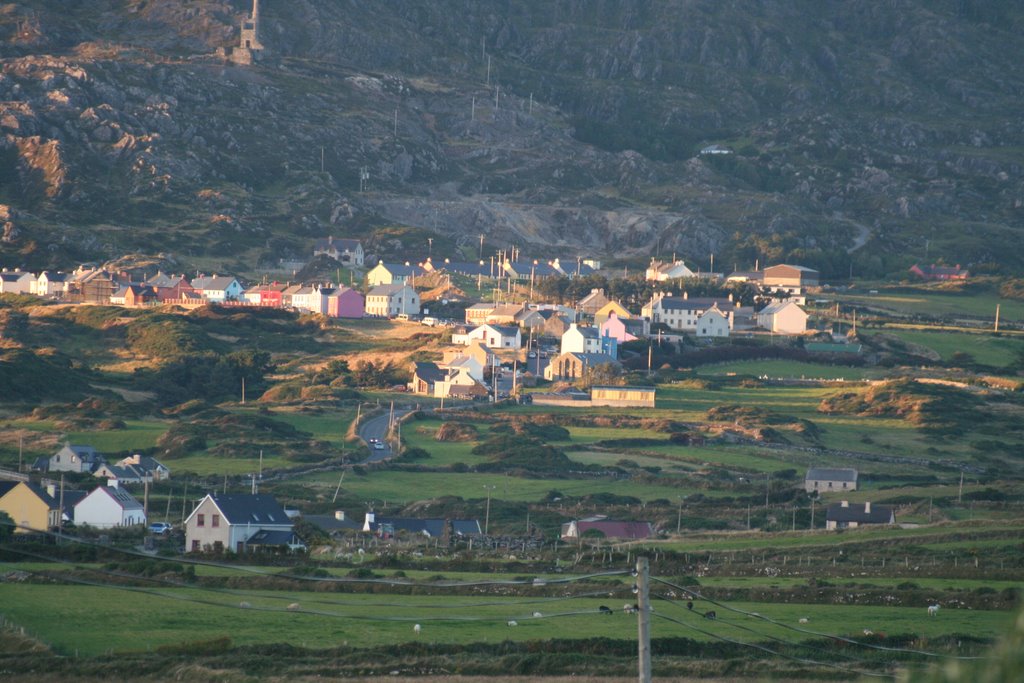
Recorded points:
(395, 274)
(239, 522)
(217, 289)
(73, 458)
(387, 527)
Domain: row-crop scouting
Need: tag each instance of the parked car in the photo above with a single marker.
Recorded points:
(160, 528)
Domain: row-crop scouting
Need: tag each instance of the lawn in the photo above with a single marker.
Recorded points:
(937, 303)
(788, 369)
(124, 619)
(136, 435)
(985, 348)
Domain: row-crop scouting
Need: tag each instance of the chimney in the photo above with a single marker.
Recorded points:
(686, 295)
(867, 508)
(730, 296)
(845, 504)
(339, 515)
(51, 489)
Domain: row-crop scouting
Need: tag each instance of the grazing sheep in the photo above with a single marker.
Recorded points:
(513, 622)
(416, 628)
(293, 607)
(627, 608)
(244, 605)
(710, 615)
(803, 620)
(537, 615)
(868, 632)
(933, 610)
(604, 609)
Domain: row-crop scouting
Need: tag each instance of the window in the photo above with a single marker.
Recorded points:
(200, 520)
(195, 546)
(215, 521)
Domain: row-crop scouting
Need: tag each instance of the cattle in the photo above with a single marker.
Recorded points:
(604, 609)
(689, 605)
(710, 615)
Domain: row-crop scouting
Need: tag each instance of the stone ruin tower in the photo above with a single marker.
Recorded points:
(249, 49)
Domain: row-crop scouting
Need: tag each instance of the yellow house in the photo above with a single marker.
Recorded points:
(605, 312)
(31, 508)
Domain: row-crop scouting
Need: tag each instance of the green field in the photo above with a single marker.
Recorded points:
(137, 435)
(126, 620)
(938, 303)
(985, 348)
(786, 369)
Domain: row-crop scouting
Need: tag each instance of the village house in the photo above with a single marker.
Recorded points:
(505, 314)
(530, 318)
(712, 323)
(573, 267)
(229, 521)
(601, 527)
(476, 269)
(556, 324)
(311, 298)
(347, 251)
(16, 282)
(31, 508)
(387, 527)
(477, 313)
(492, 336)
(477, 351)
(118, 475)
(581, 340)
(783, 317)
(592, 303)
(682, 313)
(389, 301)
(942, 273)
(453, 381)
(270, 295)
(149, 466)
(794, 279)
(829, 479)
(383, 274)
(49, 284)
(218, 288)
(170, 287)
(660, 271)
(345, 302)
(608, 309)
(75, 459)
(108, 507)
(530, 271)
(846, 515)
(572, 366)
(616, 329)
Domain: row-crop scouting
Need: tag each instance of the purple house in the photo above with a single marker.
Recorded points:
(616, 329)
(346, 302)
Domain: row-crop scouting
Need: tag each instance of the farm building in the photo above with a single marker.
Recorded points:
(828, 479)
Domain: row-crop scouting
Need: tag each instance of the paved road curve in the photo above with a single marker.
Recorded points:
(374, 430)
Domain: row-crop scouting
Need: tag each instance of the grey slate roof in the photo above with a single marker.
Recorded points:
(429, 372)
(880, 514)
(694, 303)
(246, 508)
(332, 523)
(274, 537)
(831, 474)
(430, 527)
(123, 498)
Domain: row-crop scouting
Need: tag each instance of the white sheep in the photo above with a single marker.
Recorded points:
(293, 607)
(868, 632)
(537, 615)
(244, 605)
(804, 620)
(513, 622)
(416, 629)
(933, 610)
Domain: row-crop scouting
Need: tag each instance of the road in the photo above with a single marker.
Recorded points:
(376, 428)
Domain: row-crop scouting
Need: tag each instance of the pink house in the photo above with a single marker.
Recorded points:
(614, 327)
(346, 302)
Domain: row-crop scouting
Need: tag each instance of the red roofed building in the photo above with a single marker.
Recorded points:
(934, 272)
(606, 528)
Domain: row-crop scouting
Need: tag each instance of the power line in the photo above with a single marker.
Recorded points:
(844, 639)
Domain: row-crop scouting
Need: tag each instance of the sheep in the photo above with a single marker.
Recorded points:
(244, 605)
(803, 620)
(604, 609)
(628, 608)
(537, 615)
(868, 632)
(933, 610)
(293, 607)
(416, 628)
(710, 615)
(513, 622)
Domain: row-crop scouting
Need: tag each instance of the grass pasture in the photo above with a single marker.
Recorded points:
(985, 348)
(935, 302)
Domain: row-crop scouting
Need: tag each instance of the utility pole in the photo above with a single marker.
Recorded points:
(396, 122)
(679, 517)
(960, 494)
(184, 503)
(60, 517)
(21, 448)
(472, 109)
(167, 513)
(321, 159)
(145, 497)
(531, 103)
(643, 619)
(261, 460)
(487, 514)
(243, 391)
(812, 514)
(482, 254)
(488, 70)
(997, 318)
(338, 488)
(497, 91)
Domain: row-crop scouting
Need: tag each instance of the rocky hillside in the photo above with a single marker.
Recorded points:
(865, 134)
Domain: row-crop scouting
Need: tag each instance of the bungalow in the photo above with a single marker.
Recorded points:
(934, 272)
(345, 302)
(217, 289)
(622, 396)
(75, 459)
(479, 269)
(829, 479)
(383, 274)
(31, 508)
(571, 366)
(227, 521)
(151, 467)
(844, 515)
(335, 524)
(117, 296)
(118, 475)
(430, 528)
(573, 267)
(349, 252)
(108, 507)
(600, 527)
(783, 317)
(530, 270)
(660, 271)
(492, 336)
(388, 301)
(16, 282)
(425, 377)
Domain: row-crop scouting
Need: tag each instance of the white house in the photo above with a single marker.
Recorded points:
(396, 274)
(154, 469)
(16, 282)
(311, 298)
(712, 323)
(72, 458)
(349, 252)
(492, 336)
(49, 284)
(388, 301)
(229, 521)
(682, 312)
(218, 288)
(659, 271)
(107, 507)
(581, 340)
(783, 317)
